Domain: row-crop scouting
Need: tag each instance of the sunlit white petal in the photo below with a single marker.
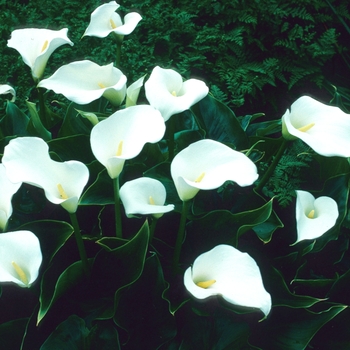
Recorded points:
(132, 92)
(86, 81)
(206, 165)
(166, 91)
(235, 275)
(327, 128)
(21, 248)
(7, 89)
(36, 46)
(314, 216)
(123, 135)
(144, 196)
(27, 160)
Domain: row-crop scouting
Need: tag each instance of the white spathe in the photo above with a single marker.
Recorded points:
(85, 81)
(145, 196)
(7, 89)
(206, 165)
(314, 217)
(36, 46)
(7, 190)
(122, 136)
(324, 128)
(27, 160)
(230, 273)
(104, 20)
(166, 91)
(20, 258)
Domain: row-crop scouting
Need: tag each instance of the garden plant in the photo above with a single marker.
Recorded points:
(139, 211)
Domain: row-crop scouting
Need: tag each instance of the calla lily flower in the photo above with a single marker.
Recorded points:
(325, 129)
(7, 190)
(7, 89)
(133, 91)
(62, 182)
(314, 216)
(206, 165)
(105, 20)
(86, 81)
(144, 196)
(122, 136)
(37, 45)
(20, 258)
(234, 275)
(166, 91)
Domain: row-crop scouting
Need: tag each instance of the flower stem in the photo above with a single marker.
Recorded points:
(171, 140)
(80, 244)
(152, 228)
(180, 236)
(118, 217)
(273, 165)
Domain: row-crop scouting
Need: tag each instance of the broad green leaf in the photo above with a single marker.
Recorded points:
(293, 329)
(69, 278)
(36, 124)
(219, 122)
(15, 122)
(52, 235)
(76, 147)
(12, 332)
(118, 265)
(143, 301)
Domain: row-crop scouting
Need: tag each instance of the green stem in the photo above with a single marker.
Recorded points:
(171, 140)
(42, 111)
(272, 167)
(118, 216)
(152, 228)
(180, 236)
(80, 243)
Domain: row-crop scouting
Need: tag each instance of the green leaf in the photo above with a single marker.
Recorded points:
(143, 301)
(69, 278)
(36, 124)
(15, 122)
(219, 122)
(12, 332)
(118, 265)
(293, 329)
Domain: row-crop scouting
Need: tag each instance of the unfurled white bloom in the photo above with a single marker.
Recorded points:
(84, 81)
(20, 258)
(36, 46)
(105, 20)
(7, 89)
(145, 196)
(122, 136)
(7, 190)
(166, 91)
(206, 165)
(325, 129)
(314, 216)
(234, 275)
(27, 160)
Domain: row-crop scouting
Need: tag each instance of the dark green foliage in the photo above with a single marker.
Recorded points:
(247, 49)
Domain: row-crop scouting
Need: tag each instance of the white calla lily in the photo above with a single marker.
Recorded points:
(144, 196)
(166, 91)
(7, 190)
(325, 129)
(62, 182)
(122, 136)
(84, 81)
(36, 46)
(133, 91)
(20, 258)
(234, 275)
(314, 216)
(104, 20)
(7, 89)
(206, 165)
